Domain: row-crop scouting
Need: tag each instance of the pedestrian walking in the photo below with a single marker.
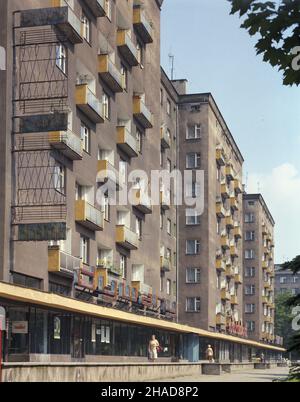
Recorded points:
(153, 349)
(210, 354)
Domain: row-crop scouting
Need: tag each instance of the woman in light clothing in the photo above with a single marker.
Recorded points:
(153, 349)
(210, 354)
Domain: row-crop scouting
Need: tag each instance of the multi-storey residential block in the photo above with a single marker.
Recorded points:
(259, 268)
(286, 282)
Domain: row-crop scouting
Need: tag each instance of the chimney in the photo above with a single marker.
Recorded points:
(180, 86)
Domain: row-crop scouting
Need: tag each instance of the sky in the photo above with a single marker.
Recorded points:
(217, 56)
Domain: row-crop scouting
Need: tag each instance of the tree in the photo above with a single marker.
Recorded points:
(277, 27)
(284, 318)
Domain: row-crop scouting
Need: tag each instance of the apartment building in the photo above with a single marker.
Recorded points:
(210, 244)
(286, 282)
(259, 268)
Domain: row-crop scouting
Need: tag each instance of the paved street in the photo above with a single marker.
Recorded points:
(240, 376)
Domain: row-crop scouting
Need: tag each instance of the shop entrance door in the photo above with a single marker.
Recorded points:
(78, 339)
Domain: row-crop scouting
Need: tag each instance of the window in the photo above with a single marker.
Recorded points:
(250, 290)
(161, 97)
(85, 138)
(169, 226)
(169, 107)
(193, 160)
(140, 51)
(139, 140)
(193, 189)
(249, 254)
(59, 178)
(123, 266)
(86, 27)
(283, 279)
(193, 304)
(249, 218)
(106, 207)
(59, 289)
(250, 326)
(249, 308)
(139, 227)
(193, 275)
(169, 287)
(193, 132)
(106, 106)
(108, 9)
(192, 219)
(124, 73)
(250, 235)
(169, 165)
(250, 272)
(161, 221)
(26, 281)
(192, 247)
(61, 58)
(84, 249)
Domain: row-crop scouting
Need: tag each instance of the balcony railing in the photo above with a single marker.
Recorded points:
(229, 172)
(225, 242)
(234, 203)
(220, 157)
(142, 25)
(225, 295)
(233, 250)
(67, 143)
(126, 238)
(110, 74)
(127, 142)
(87, 215)
(127, 48)
(142, 288)
(165, 200)
(221, 212)
(237, 232)
(234, 300)
(142, 202)
(165, 264)
(62, 263)
(97, 7)
(237, 186)
(89, 104)
(229, 272)
(220, 265)
(108, 173)
(165, 138)
(221, 319)
(224, 190)
(59, 15)
(141, 113)
(237, 276)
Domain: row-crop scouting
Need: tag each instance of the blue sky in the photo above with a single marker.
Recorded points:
(216, 55)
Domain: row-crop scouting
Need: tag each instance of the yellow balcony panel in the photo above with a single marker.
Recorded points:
(237, 231)
(265, 264)
(68, 143)
(97, 7)
(165, 201)
(88, 103)
(142, 202)
(229, 221)
(142, 25)
(224, 190)
(108, 173)
(126, 238)
(62, 263)
(238, 188)
(225, 242)
(127, 142)
(165, 264)
(229, 272)
(127, 48)
(264, 229)
(234, 251)
(165, 138)
(220, 157)
(141, 113)
(234, 203)
(220, 319)
(238, 278)
(234, 300)
(87, 215)
(225, 295)
(265, 300)
(220, 210)
(109, 73)
(59, 15)
(220, 265)
(142, 288)
(229, 172)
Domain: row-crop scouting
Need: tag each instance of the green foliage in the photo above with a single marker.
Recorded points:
(278, 30)
(284, 318)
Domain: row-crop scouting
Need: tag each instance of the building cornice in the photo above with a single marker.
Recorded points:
(260, 198)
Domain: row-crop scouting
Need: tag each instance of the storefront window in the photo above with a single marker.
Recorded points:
(18, 330)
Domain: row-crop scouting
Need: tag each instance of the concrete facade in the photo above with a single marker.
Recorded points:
(286, 282)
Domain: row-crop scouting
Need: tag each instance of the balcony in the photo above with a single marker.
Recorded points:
(229, 272)
(62, 263)
(229, 221)
(234, 251)
(142, 25)
(127, 48)
(165, 138)
(238, 188)
(85, 278)
(225, 295)
(141, 113)
(238, 277)
(165, 201)
(127, 142)
(225, 242)
(67, 143)
(97, 7)
(110, 74)
(142, 288)
(87, 102)
(107, 173)
(165, 264)
(264, 229)
(88, 216)
(265, 264)
(142, 202)
(59, 15)
(220, 319)
(229, 172)
(127, 238)
(234, 300)
(220, 265)
(220, 157)
(237, 231)
(221, 212)
(224, 190)
(234, 203)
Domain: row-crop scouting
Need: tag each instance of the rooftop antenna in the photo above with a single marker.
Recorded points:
(258, 187)
(172, 62)
(247, 179)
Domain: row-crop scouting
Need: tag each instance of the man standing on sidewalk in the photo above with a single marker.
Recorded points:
(210, 354)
